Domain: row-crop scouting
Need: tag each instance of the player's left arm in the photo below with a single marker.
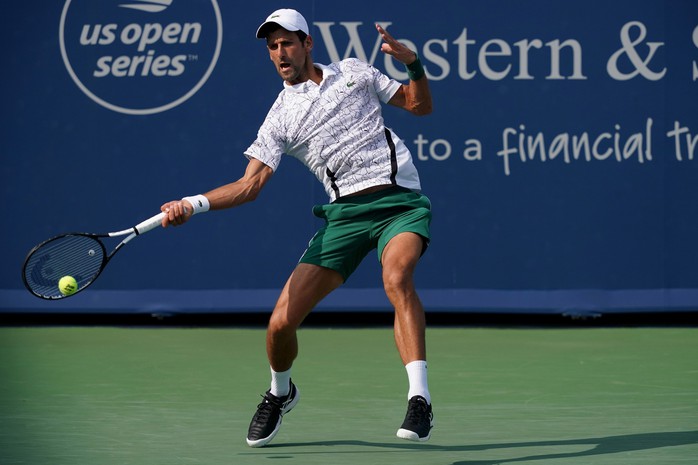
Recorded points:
(414, 97)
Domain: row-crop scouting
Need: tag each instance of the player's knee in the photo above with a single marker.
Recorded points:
(397, 281)
(280, 324)
(277, 324)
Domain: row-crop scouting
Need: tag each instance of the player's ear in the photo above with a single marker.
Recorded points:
(309, 43)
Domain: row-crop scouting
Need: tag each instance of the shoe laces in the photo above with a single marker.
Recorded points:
(418, 410)
(266, 407)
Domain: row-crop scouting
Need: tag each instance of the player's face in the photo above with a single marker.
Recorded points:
(289, 55)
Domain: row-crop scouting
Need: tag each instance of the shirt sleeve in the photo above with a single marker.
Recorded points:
(385, 87)
(269, 145)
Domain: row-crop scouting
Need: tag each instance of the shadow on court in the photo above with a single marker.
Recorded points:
(598, 446)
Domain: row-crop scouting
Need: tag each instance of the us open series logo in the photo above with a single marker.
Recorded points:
(140, 57)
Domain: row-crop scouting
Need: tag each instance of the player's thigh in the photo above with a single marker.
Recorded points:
(413, 220)
(401, 254)
(305, 288)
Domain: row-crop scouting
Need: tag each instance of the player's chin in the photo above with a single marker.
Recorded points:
(287, 73)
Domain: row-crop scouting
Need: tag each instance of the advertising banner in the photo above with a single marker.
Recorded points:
(561, 158)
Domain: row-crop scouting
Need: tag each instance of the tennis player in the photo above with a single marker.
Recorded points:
(329, 117)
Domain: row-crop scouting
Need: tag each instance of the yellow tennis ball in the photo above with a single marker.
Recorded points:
(67, 285)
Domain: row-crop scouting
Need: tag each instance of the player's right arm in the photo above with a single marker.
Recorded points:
(243, 190)
(230, 195)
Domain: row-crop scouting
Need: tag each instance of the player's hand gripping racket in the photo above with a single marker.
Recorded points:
(80, 255)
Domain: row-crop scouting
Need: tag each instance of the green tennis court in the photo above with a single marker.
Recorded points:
(105, 395)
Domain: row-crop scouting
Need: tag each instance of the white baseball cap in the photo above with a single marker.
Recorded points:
(287, 18)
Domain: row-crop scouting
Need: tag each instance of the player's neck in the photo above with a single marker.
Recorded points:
(310, 73)
(315, 73)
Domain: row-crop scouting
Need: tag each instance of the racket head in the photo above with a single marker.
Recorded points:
(80, 255)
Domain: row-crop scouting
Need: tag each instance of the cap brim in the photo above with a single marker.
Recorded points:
(261, 31)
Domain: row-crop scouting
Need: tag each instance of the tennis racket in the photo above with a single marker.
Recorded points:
(80, 255)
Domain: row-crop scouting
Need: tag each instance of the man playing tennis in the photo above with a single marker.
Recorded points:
(329, 117)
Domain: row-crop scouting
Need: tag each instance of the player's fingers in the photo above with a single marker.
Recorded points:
(395, 48)
(166, 220)
(173, 214)
(177, 212)
(183, 212)
(389, 41)
(385, 34)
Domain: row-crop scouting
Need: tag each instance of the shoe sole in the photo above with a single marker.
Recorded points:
(411, 435)
(264, 441)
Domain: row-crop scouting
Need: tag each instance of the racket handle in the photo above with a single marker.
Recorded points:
(151, 223)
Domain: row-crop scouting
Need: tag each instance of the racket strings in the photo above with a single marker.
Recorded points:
(74, 255)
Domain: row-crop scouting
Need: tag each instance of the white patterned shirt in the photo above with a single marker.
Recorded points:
(336, 129)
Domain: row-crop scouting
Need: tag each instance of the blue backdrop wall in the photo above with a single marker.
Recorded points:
(561, 158)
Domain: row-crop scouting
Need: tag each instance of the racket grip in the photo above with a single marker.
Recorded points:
(151, 223)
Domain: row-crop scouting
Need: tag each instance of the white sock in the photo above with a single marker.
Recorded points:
(417, 378)
(280, 382)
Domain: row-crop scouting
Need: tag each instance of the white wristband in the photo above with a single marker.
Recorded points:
(199, 202)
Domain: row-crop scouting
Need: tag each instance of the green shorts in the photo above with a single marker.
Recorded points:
(356, 225)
